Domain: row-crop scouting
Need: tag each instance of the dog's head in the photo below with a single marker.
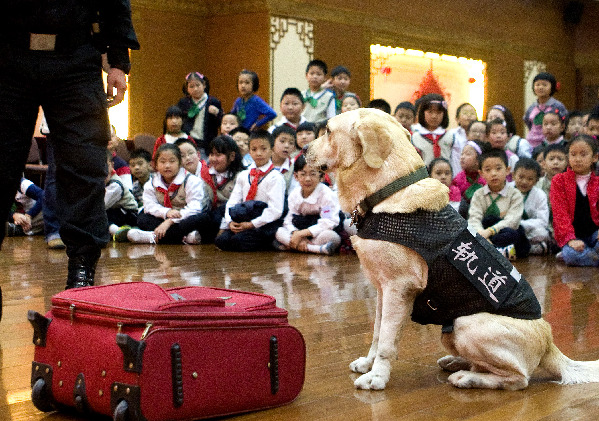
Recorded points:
(367, 149)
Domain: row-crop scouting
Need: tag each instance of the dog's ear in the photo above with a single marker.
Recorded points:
(375, 140)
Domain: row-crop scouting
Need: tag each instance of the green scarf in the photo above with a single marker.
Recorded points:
(312, 101)
(493, 209)
(524, 214)
(474, 186)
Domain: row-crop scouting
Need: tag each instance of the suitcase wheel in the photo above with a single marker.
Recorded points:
(41, 397)
(121, 412)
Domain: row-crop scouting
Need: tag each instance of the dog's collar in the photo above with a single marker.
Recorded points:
(377, 197)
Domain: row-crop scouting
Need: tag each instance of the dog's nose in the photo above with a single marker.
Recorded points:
(305, 149)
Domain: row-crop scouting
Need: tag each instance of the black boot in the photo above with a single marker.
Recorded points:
(81, 271)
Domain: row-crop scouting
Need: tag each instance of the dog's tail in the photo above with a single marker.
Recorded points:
(566, 371)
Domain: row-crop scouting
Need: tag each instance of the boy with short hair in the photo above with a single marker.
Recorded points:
(592, 125)
(555, 161)
(574, 124)
(380, 104)
(282, 151)
(140, 163)
(535, 219)
(241, 136)
(254, 229)
(292, 105)
(496, 208)
(121, 206)
(405, 113)
(320, 102)
(340, 79)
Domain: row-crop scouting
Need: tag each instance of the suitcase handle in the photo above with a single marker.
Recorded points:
(184, 305)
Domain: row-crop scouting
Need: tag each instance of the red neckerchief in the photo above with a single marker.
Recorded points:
(205, 175)
(258, 176)
(167, 198)
(434, 139)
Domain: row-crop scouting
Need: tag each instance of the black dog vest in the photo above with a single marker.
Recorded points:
(466, 274)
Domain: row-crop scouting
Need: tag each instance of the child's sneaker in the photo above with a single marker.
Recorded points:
(141, 237)
(328, 249)
(193, 237)
(508, 252)
(56, 244)
(539, 249)
(112, 229)
(120, 235)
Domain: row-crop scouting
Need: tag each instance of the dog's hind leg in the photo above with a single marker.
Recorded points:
(452, 362)
(364, 364)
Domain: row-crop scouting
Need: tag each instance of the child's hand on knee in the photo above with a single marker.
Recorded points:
(577, 245)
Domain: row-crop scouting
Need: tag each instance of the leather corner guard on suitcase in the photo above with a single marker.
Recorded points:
(136, 351)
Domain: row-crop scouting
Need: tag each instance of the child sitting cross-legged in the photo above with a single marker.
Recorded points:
(172, 202)
(535, 219)
(255, 207)
(496, 209)
(313, 214)
(121, 206)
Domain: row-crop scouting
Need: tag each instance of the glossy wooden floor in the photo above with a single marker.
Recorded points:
(332, 304)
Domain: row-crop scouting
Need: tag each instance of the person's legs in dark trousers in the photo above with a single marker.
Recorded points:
(74, 103)
(508, 236)
(175, 234)
(248, 240)
(51, 225)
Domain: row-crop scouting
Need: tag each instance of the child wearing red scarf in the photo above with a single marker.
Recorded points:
(262, 185)
(431, 138)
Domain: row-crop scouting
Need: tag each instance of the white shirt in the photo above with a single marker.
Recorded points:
(194, 195)
(322, 201)
(270, 190)
(537, 209)
(284, 120)
(458, 140)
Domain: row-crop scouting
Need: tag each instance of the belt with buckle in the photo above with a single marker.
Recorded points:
(63, 42)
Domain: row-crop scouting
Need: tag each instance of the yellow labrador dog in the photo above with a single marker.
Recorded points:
(369, 150)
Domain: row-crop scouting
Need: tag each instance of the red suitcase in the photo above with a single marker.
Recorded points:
(139, 352)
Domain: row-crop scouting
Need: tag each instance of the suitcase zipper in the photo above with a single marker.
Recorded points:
(146, 330)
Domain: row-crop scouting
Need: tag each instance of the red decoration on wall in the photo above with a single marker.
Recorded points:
(430, 85)
(386, 70)
(558, 86)
(471, 80)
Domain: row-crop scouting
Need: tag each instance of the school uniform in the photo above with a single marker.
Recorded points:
(121, 206)
(252, 111)
(284, 122)
(535, 218)
(503, 212)
(170, 139)
(319, 106)
(431, 145)
(184, 194)
(319, 211)
(458, 141)
(574, 201)
(467, 184)
(270, 190)
(287, 170)
(202, 126)
(519, 146)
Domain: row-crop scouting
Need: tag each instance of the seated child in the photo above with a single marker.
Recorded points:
(574, 125)
(349, 102)
(172, 202)
(260, 185)
(497, 136)
(465, 114)
(306, 133)
(121, 206)
(140, 162)
(538, 154)
(516, 144)
(431, 138)
(224, 163)
(496, 209)
(340, 80)
(282, 151)
(405, 113)
(320, 102)
(229, 123)
(574, 199)
(241, 136)
(469, 179)
(440, 169)
(313, 214)
(555, 161)
(553, 127)
(119, 164)
(171, 128)
(477, 131)
(592, 125)
(191, 161)
(535, 219)
(292, 105)
(27, 218)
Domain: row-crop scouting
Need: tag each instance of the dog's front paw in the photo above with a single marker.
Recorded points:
(372, 381)
(453, 363)
(361, 365)
(463, 379)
